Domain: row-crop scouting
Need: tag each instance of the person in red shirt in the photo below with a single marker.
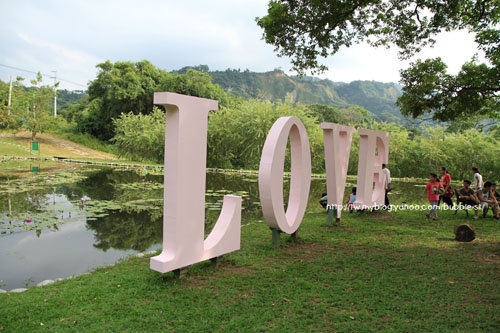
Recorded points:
(448, 191)
(432, 188)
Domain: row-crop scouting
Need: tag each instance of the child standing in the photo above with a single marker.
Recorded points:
(432, 189)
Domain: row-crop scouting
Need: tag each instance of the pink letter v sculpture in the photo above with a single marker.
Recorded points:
(184, 193)
(337, 143)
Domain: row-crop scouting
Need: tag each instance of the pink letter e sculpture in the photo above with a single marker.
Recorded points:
(373, 151)
(271, 176)
(184, 193)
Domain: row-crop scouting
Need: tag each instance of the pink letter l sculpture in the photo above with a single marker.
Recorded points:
(184, 193)
(271, 174)
(370, 168)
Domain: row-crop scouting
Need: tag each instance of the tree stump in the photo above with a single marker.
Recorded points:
(464, 233)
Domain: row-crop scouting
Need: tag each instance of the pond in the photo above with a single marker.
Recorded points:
(68, 219)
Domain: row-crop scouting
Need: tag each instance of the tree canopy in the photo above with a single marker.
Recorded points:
(128, 87)
(31, 107)
(307, 30)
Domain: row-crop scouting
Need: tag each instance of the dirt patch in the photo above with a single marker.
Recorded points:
(302, 252)
(314, 300)
(224, 269)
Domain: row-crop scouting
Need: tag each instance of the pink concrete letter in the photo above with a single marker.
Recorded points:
(271, 174)
(184, 193)
(337, 142)
(373, 151)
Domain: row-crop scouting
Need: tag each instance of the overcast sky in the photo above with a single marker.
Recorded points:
(73, 36)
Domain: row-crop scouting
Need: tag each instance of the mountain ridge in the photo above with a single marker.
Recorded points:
(377, 97)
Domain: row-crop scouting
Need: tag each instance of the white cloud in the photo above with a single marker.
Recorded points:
(45, 56)
(61, 52)
(362, 62)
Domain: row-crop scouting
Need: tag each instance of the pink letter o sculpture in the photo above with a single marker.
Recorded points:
(271, 174)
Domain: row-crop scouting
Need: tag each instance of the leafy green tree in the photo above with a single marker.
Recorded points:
(195, 83)
(325, 113)
(121, 87)
(428, 88)
(127, 87)
(39, 118)
(351, 116)
(307, 30)
(5, 118)
(199, 68)
(21, 101)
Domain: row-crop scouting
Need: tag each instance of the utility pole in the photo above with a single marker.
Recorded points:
(55, 93)
(10, 96)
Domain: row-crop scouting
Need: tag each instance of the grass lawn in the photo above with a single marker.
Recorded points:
(374, 271)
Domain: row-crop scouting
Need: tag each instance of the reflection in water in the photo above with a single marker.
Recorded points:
(124, 230)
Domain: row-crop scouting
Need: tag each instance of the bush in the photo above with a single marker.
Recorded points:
(236, 135)
(140, 137)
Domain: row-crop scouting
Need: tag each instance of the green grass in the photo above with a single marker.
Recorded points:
(374, 271)
(8, 147)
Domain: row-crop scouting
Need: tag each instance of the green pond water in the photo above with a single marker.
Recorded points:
(66, 220)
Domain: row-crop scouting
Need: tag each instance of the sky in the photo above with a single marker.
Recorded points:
(72, 37)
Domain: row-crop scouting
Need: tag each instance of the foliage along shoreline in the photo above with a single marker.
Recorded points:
(159, 168)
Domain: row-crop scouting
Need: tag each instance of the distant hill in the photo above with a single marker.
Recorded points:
(377, 97)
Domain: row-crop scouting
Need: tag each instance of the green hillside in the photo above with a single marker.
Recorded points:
(377, 97)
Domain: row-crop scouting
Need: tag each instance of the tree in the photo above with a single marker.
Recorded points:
(325, 113)
(21, 101)
(428, 88)
(308, 29)
(195, 83)
(121, 87)
(39, 119)
(127, 87)
(351, 116)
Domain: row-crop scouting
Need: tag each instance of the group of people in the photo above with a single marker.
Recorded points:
(478, 195)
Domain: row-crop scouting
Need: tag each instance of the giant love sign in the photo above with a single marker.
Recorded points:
(185, 176)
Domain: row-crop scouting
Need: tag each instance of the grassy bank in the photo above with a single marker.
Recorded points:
(62, 144)
(374, 271)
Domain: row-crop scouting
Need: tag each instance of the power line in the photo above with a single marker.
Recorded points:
(44, 74)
